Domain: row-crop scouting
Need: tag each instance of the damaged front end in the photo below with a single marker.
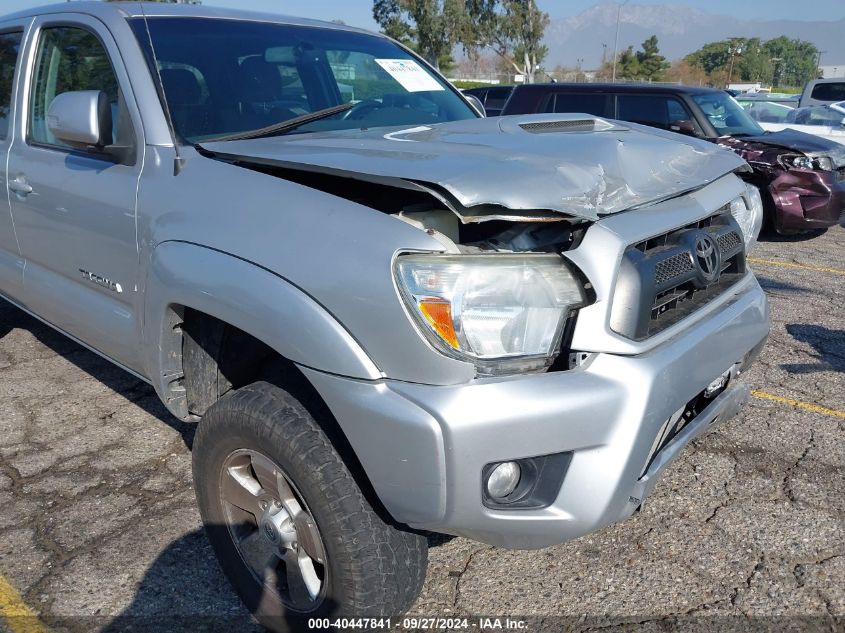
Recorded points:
(532, 168)
(802, 178)
(505, 199)
(533, 182)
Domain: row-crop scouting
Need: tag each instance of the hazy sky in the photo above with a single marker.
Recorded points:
(358, 12)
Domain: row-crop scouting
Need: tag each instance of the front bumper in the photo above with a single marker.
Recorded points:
(423, 448)
(806, 199)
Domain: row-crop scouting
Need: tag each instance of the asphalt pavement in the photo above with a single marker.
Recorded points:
(99, 530)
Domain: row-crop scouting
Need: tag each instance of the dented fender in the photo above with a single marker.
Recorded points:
(248, 297)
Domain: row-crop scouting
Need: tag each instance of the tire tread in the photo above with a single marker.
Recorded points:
(384, 566)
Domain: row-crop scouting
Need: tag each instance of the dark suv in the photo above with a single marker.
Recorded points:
(801, 176)
(493, 98)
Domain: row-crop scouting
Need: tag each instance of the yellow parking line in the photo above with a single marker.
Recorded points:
(815, 269)
(798, 404)
(18, 617)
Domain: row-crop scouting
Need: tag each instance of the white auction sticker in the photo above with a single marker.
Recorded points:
(410, 74)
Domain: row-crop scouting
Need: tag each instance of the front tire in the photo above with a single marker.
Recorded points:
(292, 529)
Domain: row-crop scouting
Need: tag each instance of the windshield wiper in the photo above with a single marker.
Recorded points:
(284, 126)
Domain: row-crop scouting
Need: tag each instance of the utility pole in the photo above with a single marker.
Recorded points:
(616, 45)
(734, 50)
(776, 76)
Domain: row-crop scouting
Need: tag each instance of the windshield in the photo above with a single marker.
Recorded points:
(726, 115)
(226, 77)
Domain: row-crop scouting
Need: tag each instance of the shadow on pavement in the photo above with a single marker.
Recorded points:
(772, 285)
(184, 589)
(121, 382)
(829, 347)
(768, 235)
(437, 540)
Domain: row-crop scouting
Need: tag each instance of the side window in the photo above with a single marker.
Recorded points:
(481, 95)
(10, 44)
(650, 110)
(677, 111)
(196, 83)
(829, 92)
(71, 59)
(497, 97)
(595, 104)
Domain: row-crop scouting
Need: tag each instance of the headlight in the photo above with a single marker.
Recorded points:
(823, 163)
(504, 313)
(799, 161)
(748, 213)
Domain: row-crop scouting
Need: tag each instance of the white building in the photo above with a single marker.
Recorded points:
(746, 88)
(833, 72)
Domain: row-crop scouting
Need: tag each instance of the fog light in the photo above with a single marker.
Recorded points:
(503, 480)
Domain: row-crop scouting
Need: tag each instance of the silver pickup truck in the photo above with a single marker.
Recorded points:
(387, 314)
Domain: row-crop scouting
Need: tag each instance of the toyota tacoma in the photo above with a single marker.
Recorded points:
(387, 314)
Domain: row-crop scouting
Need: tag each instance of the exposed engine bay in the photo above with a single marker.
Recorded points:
(495, 236)
(489, 229)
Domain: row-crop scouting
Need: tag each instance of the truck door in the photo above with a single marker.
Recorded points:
(11, 262)
(74, 211)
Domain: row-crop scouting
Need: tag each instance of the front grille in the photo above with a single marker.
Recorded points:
(663, 280)
(730, 242)
(672, 267)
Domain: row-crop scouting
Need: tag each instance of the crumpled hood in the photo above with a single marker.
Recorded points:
(802, 143)
(571, 164)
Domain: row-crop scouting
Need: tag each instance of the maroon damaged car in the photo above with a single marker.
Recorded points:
(801, 176)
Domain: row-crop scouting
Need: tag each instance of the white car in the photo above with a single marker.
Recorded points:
(768, 110)
(827, 121)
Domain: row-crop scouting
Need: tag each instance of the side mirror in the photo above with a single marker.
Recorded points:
(683, 126)
(476, 104)
(81, 119)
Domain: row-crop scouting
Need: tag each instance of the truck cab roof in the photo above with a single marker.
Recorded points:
(127, 10)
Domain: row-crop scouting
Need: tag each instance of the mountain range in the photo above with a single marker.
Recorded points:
(680, 30)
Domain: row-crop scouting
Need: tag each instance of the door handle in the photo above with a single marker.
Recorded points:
(20, 186)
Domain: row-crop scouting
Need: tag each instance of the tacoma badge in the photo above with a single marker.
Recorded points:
(101, 281)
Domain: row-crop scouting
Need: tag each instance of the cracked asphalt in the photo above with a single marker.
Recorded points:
(98, 526)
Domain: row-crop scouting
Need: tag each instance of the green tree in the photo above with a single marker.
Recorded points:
(754, 63)
(431, 27)
(795, 61)
(779, 61)
(628, 66)
(712, 56)
(651, 65)
(390, 16)
(513, 29)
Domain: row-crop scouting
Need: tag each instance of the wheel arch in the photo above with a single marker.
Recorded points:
(188, 280)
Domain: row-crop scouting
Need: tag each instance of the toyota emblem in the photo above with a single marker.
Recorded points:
(708, 258)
